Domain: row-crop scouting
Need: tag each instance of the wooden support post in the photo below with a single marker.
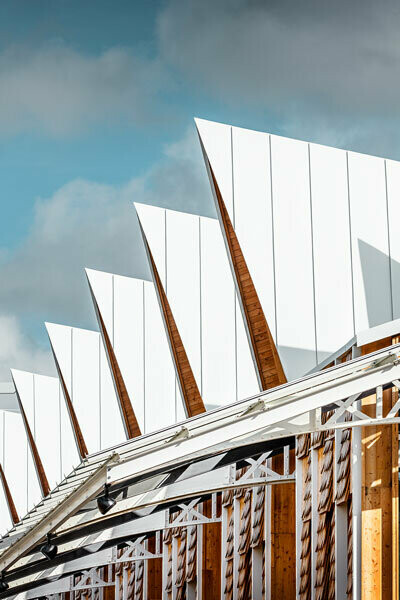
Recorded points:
(299, 521)
(314, 516)
(340, 531)
(356, 475)
(379, 495)
(154, 572)
(283, 534)
(376, 547)
(211, 571)
(268, 549)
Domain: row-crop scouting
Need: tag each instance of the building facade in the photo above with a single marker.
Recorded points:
(231, 429)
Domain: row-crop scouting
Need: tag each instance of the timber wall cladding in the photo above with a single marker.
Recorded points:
(379, 497)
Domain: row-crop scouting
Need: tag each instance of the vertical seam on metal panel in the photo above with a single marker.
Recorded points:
(34, 406)
(144, 357)
(312, 254)
(100, 413)
(351, 242)
(388, 234)
(60, 430)
(165, 253)
(273, 237)
(72, 366)
(201, 311)
(112, 309)
(234, 286)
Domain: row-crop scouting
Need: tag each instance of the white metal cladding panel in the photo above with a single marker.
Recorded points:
(159, 371)
(393, 189)
(332, 249)
(39, 398)
(129, 339)
(102, 288)
(112, 430)
(16, 460)
(2, 419)
(69, 452)
(183, 282)
(369, 229)
(252, 215)
(27, 389)
(47, 426)
(5, 519)
(218, 318)
(293, 255)
(86, 384)
(216, 139)
(24, 385)
(247, 382)
(152, 220)
(60, 339)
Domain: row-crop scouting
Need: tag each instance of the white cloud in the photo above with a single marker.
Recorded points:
(58, 91)
(17, 350)
(86, 224)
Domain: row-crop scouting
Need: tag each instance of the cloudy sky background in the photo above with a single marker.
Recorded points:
(97, 101)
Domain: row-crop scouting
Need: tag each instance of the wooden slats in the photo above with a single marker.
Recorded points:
(80, 442)
(44, 484)
(130, 422)
(190, 392)
(269, 366)
(9, 498)
(283, 534)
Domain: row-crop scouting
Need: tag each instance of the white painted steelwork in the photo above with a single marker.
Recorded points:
(291, 407)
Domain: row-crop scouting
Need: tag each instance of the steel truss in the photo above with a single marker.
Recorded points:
(142, 466)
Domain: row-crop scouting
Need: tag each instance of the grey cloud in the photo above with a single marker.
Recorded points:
(56, 90)
(18, 350)
(336, 64)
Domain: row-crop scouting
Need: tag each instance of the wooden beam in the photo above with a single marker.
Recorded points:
(9, 498)
(268, 362)
(193, 401)
(43, 482)
(154, 572)
(128, 414)
(79, 439)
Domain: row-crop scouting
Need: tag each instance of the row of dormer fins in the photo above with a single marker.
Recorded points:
(129, 311)
(251, 170)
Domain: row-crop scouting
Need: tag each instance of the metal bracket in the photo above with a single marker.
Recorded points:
(88, 580)
(137, 551)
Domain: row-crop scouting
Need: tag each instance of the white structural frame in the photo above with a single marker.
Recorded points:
(292, 408)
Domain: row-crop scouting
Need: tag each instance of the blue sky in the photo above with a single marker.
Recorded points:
(97, 101)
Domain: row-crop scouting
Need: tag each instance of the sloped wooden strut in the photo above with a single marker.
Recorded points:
(266, 355)
(131, 424)
(44, 484)
(190, 392)
(80, 441)
(9, 499)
